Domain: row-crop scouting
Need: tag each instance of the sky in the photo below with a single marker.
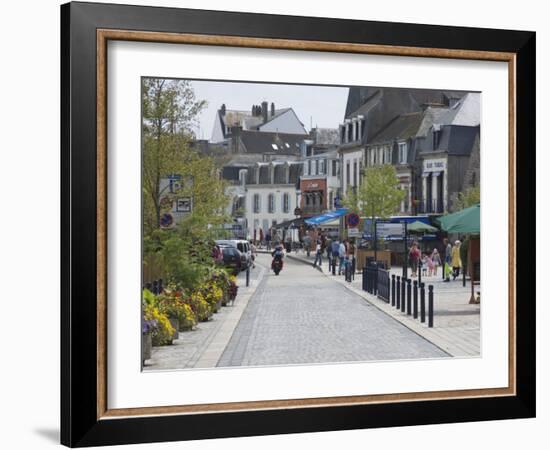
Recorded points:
(317, 106)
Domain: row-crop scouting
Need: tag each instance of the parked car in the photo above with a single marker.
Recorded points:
(232, 258)
(242, 246)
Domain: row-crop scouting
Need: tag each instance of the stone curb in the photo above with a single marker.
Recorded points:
(218, 342)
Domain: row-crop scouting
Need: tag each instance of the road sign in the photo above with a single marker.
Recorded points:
(166, 221)
(390, 230)
(352, 220)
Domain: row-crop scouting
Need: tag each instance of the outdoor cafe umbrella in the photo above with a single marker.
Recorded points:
(464, 221)
(420, 227)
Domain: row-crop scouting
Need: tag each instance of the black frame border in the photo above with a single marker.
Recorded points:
(79, 424)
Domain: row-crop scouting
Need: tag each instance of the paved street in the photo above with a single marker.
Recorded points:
(303, 317)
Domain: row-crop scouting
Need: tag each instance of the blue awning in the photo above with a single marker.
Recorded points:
(326, 217)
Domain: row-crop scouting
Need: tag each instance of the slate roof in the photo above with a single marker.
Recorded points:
(274, 143)
(326, 136)
(457, 139)
(235, 117)
(402, 127)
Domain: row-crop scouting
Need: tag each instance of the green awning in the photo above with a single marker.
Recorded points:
(420, 227)
(464, 221)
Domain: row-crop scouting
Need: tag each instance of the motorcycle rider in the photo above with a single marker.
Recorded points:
(277, 254)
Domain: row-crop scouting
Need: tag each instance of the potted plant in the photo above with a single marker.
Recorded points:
(147, 328)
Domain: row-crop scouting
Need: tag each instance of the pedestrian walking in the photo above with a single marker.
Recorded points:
(341, 256)
(307, 244)
(253, 253)
(268, 240)
(318, 254)
(351, 252)
(414, 257)
(436, 261)
(424, 264)
(447, 260)
(335, 249)
(456, 261)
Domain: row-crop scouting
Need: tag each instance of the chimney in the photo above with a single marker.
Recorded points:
(235, 133)
(264, 111)
(272, 109)
(222, 109)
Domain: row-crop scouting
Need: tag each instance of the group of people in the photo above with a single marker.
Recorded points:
(339, 253)
(427, 263)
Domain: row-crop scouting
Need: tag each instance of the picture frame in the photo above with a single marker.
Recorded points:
(86, 28)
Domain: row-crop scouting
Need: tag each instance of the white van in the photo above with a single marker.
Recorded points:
(243, 246)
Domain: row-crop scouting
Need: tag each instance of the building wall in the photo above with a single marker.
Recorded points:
(351, 158)
(264, 219)
(458, 165)
(285, 123)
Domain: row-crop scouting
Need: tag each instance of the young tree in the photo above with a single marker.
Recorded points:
(378, 195)
(169, 109)
(471, 196)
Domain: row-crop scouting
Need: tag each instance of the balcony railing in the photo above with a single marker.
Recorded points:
(430, 207)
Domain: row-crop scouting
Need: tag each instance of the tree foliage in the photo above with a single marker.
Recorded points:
(471, 196)
(169, 109)
(183, 254)
(378, 195)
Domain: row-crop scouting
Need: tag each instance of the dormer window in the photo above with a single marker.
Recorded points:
(402, 152)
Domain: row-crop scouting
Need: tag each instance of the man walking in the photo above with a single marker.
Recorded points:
(341, 256)
(334, 247)
(318, 254)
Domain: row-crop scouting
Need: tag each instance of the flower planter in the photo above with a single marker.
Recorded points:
(146, 346)
(176, 326)
(186, 326)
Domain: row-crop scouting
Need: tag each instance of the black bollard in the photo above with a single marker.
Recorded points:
(393, 290)
(409, 297)
(430, 306)
(415, 299)
(364, 278)
(422, 303)
(247, 276)
(398, 296)
(403, 298)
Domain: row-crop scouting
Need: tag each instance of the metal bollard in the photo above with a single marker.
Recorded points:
(247, 276)
(364, 277)
(403, 298)
(415, 299)
(430, 306)
(398, 288)
(422, 303)
(393, 290)
(409, 297)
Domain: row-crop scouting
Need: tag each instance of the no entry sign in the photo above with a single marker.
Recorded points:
(352, 220)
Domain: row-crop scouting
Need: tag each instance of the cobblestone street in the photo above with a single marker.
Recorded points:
(303, 317)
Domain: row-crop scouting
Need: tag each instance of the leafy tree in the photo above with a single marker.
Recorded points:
(183, 254)
(378, 195)
(169, 110)
(471, 196)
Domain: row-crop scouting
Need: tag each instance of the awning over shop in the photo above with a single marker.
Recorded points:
(331, 215)
(294, 223)
(464, 221)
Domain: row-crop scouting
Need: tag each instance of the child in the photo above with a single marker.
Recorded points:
(436, 261)
(424, 264)
(430, 264)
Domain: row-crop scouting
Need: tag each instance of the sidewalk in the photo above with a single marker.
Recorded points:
(203, 346)
(456, 323)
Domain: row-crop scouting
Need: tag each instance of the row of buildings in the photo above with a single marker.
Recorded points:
(278, 172)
